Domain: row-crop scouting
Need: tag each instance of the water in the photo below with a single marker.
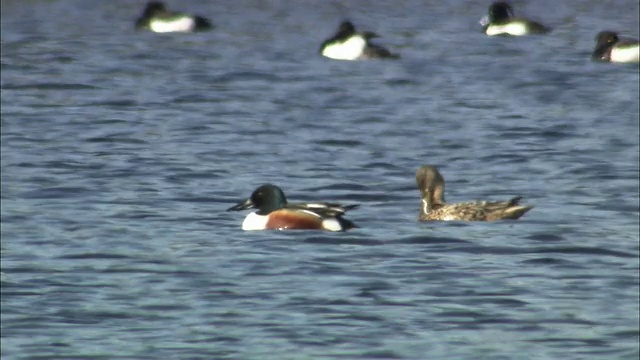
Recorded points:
(121, 151)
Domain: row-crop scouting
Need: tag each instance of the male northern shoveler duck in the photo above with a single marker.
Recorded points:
(157, 18)
(275, 213)
(348, 44)
(431, 185)
(501, 20)
(609, 47)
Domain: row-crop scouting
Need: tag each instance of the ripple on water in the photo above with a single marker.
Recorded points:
(122, 149)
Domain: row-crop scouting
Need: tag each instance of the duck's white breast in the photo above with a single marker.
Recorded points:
(254, 221)
(512, 28)
(351, 49)
(183, 24)
(626, 54)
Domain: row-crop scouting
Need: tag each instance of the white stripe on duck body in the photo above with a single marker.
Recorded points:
(501, 20)
(611, 48)
(433, 207)
(274, 212)
(157, 18)
(349, 44)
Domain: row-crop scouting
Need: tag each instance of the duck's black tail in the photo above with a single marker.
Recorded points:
(202, 23)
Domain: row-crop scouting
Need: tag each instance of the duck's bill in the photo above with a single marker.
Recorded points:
(484, 21)
(247, 204)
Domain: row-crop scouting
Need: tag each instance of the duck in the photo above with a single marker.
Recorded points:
(157, 18)
(274, 212)
(610, 48)
(431, 185)
(349, 44)
(501, 20)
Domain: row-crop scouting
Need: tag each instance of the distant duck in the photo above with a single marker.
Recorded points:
(157, 18)
(274, 212)
(348, 44)
(431, 186)
(501, 20)
(609, 47)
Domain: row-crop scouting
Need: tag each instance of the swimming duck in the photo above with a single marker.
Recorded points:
(431, 186)
(609, 47)
(274, 212)
(348, 44)
(501, 20)
(157, 18)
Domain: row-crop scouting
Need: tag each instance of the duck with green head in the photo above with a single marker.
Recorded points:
(157, 18)
(501, 20)
(349, 44)
(275, 212)
(611, 48)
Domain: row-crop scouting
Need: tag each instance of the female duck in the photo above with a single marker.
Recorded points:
(431, 186)
(157, 18)
(501, 20)
(609, 47)
(348, 44)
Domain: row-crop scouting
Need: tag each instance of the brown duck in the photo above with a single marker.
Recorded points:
(431, 185)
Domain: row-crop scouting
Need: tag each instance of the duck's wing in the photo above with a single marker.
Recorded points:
(537, 28)
(483, 210)
(322, 209)
(374, 51)
(499, 210)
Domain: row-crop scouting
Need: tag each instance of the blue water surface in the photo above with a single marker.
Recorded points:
(121, 150)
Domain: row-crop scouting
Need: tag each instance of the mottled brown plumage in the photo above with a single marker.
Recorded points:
(431, 186)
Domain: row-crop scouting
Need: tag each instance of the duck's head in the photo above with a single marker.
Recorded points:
(500, 11)
(266, 198)
(154, 8)
(431, 184)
